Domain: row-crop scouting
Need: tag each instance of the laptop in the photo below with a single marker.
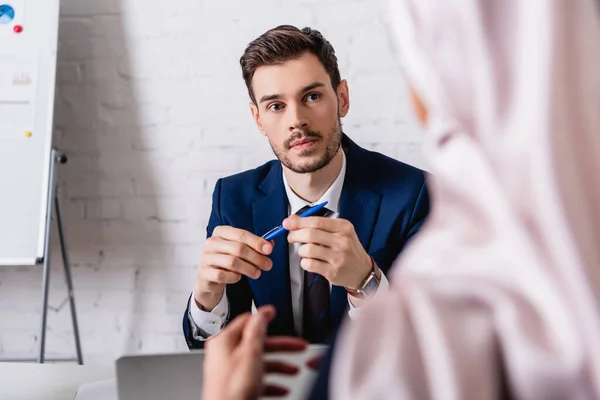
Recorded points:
(179, 376)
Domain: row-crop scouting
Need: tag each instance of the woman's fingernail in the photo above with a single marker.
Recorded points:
(286, 223)
(266, 248)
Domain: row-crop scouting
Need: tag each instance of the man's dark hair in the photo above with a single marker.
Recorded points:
(285, 43)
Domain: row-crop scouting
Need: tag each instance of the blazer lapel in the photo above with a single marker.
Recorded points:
(268, 212)
(359, 205)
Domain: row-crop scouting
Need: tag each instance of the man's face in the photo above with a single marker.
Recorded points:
(299, 112)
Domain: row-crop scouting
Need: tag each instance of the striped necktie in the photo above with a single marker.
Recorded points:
(316, 314)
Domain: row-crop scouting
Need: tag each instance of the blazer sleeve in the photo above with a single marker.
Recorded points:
(238, 294)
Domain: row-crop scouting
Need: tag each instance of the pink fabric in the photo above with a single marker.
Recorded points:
(500, 290)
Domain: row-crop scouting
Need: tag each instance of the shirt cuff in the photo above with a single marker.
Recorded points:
(354, 312)
(208, 323)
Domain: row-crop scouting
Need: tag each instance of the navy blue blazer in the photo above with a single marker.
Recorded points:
(385, 199)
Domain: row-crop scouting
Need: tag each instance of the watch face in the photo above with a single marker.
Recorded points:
(371, 286)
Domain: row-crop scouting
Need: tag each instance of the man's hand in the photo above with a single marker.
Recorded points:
(234, 365)
(227, 255)
(330, 248)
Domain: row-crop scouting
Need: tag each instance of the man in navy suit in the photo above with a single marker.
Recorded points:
(325, 266)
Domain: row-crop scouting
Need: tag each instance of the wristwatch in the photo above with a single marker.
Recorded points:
(369, 285)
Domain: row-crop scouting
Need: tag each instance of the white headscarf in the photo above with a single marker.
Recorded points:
(500, 291)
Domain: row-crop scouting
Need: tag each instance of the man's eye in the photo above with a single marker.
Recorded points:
(313, 97)
(275, 107)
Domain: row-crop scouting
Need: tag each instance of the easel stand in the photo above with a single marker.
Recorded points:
(53, 209)
(54, 197)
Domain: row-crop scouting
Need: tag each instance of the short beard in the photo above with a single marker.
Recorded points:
(330, 150)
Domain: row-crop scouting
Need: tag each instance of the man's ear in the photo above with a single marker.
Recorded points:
(343, 98)
(256, 117)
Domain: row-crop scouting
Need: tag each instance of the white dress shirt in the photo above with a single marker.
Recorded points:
(206, 324)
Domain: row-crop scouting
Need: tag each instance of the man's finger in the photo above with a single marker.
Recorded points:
(332, 225)
(232, 263)
(274, 391)
(280, 367)
(239, 235)
(316, 266)
(316, 251)
(220, 276)
(284, 343)
(312, 235)
(244, 252)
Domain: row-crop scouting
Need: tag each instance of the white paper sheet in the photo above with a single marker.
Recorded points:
(18, 90)
(18, 77)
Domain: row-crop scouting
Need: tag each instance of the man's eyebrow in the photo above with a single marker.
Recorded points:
(312, 86)
(268, 97)
(305, 89)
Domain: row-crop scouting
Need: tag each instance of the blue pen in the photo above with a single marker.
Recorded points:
(278, 230)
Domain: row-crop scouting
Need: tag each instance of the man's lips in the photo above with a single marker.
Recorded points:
(303, 142)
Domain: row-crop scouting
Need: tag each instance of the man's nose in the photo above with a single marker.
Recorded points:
(298, 118)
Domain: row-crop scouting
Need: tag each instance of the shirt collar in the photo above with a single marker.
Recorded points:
(332, 195)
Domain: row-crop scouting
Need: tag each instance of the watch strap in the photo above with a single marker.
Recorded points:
(363, 291)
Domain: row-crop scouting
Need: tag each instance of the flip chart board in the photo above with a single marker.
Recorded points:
(28, 45)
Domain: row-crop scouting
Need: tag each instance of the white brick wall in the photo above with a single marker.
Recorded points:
(151, 109)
